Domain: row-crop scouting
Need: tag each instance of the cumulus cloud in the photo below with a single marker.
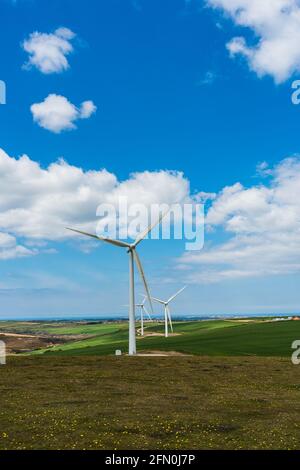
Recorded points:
(87, 108)
(262, 224)
(36, 204)
(9, 248)
(48, 52)
(56, 113)
(275, 49)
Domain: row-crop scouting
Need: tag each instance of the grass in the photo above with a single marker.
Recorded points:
(236, 390)
(191, 402)
(215, 338)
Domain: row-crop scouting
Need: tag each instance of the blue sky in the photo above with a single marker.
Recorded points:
(174, 91)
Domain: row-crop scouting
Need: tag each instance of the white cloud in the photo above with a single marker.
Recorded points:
(56, 113)
(9, 248)
(87, 108)
(36, 204)
(262, 224)
(275, 50)
(48, 52)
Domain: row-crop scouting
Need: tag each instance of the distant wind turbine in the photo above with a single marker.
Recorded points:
(165, 303)
(143, 310)
(133, 258)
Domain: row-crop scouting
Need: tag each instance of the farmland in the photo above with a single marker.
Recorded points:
(232, 387)
(218, 337)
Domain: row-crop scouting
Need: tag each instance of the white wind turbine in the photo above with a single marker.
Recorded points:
(143, 311)
(165, 303)
(133, 258)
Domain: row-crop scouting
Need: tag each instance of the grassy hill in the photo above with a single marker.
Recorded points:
(78, 396)
(217, 338)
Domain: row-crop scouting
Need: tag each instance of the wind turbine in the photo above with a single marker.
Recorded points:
(143, 310)
(165, 303)
(133, 258)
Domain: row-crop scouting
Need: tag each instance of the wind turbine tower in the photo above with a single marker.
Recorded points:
(133, 259)
(167, 312)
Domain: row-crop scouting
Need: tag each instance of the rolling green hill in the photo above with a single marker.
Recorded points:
(217, 338)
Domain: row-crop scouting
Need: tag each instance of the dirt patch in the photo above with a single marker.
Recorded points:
(162, 353)
(247, 320)
(18, 335)
(18, 343)
(154, 333)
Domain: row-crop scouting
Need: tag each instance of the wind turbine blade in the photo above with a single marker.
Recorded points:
(82, 233)
(170, 320)
(158, 300)
(115, 242)
(175, 295)
(144, 299)
(147, 313)
(142, 274)
(103, 239)
(142, 235)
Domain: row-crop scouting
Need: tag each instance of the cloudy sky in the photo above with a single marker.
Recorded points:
(158, 101)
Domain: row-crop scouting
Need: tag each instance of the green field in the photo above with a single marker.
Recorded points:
(217, 338)
(236, 388)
